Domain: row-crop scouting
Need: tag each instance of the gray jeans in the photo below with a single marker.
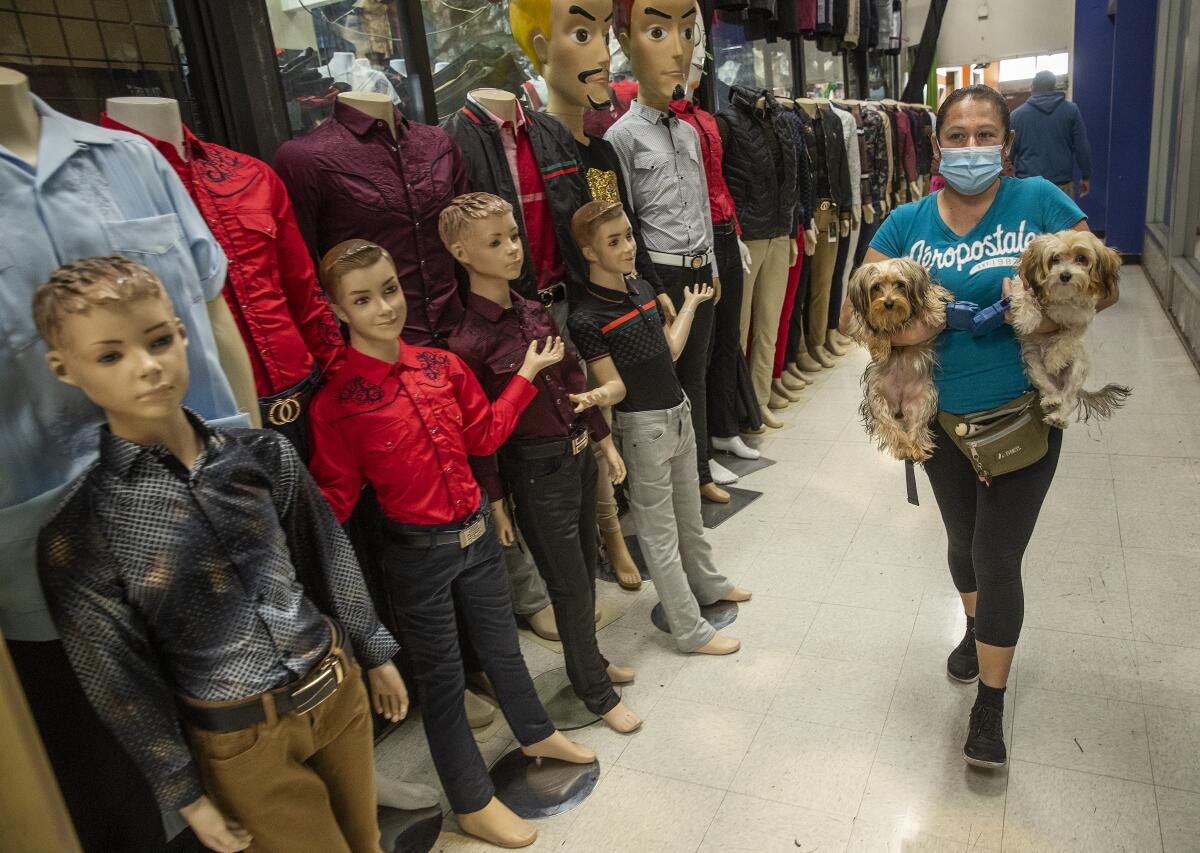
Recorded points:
(659, 448)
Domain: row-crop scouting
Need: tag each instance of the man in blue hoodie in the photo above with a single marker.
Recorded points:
(1051, 138)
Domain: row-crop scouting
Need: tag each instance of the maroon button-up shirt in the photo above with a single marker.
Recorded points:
(350, 178)
(271, 287)
(719, 199)
(492, 340)
(408, 429)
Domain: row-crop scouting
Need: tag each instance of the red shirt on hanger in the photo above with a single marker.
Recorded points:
(408, 429)
(719, 199)
(271, 286)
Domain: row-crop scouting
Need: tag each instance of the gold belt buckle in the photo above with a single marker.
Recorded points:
(283, 411)
(473, 532)
(697, 261)
(825, 205)
(324, 685)
(578, 443)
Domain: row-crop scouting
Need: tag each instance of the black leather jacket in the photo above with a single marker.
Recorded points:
(759, 164)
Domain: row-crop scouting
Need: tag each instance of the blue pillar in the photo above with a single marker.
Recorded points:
(1092, 92)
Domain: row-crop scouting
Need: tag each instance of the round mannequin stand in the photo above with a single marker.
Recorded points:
(565, 708)
(402, 831)
(541, 787)
(719, 614)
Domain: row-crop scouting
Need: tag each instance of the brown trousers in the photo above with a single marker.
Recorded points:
(821, 282)
(301, 782)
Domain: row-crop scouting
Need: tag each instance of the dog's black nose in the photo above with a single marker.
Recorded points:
(888, 303)
(1064, 277)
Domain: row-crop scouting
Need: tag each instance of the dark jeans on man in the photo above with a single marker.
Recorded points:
(109, 800)
(731, 401)
(554, 491)
(425, 587)
(692, 365)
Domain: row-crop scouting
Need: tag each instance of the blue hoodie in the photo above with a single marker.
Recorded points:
(1051, 139)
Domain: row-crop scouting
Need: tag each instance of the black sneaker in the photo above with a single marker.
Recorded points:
(963, 663)
(985, 740)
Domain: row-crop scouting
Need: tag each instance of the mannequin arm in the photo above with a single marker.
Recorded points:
(609, 390)
(677, 332)
(235, 360)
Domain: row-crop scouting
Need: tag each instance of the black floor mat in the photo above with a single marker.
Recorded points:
(739, 499)
(719, 614)
(743, 467)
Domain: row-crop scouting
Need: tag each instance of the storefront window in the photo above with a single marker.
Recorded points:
(756, 64)
(823, 74)
(324, 48)
(879, 76)
(77, 53)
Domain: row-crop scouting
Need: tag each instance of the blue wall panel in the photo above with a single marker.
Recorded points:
(1092, 92)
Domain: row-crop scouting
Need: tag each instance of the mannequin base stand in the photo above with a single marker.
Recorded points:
(746, 467)
(541, 787)
(719, 614)
(409, 832)
(566, 710)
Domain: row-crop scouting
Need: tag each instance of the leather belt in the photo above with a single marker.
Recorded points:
(474, 526)
(724, 228)
(299, 697)
(553, 293)
(694, 262)
(572, 445)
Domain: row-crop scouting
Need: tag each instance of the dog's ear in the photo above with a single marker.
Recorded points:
(1107, 269)
(917, 284)
(1032, 268)
(860, 290)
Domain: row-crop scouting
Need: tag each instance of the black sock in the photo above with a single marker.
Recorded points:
(993, 696)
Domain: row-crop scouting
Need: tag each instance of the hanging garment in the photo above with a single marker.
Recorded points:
(759, 164)
(877, 153)
(853, 163)
(837, 164)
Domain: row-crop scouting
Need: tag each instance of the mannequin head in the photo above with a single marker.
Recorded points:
(359, 278)
(658, 37)
(113, 333)
(696, 68)
(605, 236)
(567, 41)
(479, 230)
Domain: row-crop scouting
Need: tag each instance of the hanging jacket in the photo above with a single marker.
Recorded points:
(837, 164)
(566, 190)
(801, 131)
(759, 164)
(877, 152)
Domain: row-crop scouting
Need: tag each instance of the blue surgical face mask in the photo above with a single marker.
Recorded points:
(972, 170)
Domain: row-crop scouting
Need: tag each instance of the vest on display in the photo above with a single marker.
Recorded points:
(765, 198)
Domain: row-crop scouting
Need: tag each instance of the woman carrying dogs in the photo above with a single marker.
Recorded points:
(970, 237)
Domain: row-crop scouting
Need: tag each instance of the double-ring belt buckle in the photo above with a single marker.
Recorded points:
(473, 532)
(308, 696)
(697, 261)
(284, 411)
(825, 205)
(546, 297)
(578, 443)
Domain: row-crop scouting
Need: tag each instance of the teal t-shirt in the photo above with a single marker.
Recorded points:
(975, 374)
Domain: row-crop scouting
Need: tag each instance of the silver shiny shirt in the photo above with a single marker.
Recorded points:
(664, 170)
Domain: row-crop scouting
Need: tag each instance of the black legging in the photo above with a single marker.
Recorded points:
(988, 528)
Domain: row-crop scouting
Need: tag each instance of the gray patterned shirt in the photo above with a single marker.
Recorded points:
(210, 582)
(664, 172)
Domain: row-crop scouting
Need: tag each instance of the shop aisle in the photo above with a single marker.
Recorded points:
(836, 728)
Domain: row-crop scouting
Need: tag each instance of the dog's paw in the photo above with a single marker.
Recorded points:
(1056, 419)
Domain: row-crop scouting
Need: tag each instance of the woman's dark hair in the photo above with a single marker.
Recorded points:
(975, 90)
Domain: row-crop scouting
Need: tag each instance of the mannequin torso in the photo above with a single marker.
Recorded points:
(19, 123)
(374, 104)
(155, 117)
(499, 103)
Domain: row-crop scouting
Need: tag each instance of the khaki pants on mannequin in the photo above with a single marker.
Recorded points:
(823, 261)
(762, 302)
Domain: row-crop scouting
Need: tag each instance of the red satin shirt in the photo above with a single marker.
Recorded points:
(271, 287)
(719, 199)
(408, 429)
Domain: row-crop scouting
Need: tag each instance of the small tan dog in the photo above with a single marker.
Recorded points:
(900, 399)
(1062, 277)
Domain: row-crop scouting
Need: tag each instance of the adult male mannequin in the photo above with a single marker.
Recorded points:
(663, 164)
(567, 40)
(56, 175)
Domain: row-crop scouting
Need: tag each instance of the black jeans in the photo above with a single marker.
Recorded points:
(425, 588)
(866, 232)
(109, 800)
(796, 326)
(731, 400)
(988, 528)
(555, 499)
(692, 365)
(836, 287)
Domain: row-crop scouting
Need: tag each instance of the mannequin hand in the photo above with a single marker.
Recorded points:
(868, 213)
(855, 216)
(844, 227)
(538, 359)
(215, 831)
(990, 318)
(914, 191)
(793, 252)
(504, 526)
(616, 465)
(667, 307)
(744, 251)
(960, 315)
(389, 697)
(810, 240)
(884, 205)
(584, 401)
(693, 296)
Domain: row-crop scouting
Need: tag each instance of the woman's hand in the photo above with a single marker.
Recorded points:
(215, 831)
(504, 525)
(389, 696)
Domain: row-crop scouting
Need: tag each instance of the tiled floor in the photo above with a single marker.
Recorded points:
(836, 729)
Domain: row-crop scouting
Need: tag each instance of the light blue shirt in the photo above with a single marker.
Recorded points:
(975, 374)
(94, 192)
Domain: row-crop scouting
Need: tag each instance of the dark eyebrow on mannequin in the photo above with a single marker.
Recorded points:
(650, 10)
(689, 13)
(575, 10)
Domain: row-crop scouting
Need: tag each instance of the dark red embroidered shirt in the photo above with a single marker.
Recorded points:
(271, 286)
(719, 199)
(408, 429)
(493, 340)
(350, 178)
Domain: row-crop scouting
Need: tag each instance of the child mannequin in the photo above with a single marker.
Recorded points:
(198, 568)
(546, 464)
(617, 328)
(405, 419)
